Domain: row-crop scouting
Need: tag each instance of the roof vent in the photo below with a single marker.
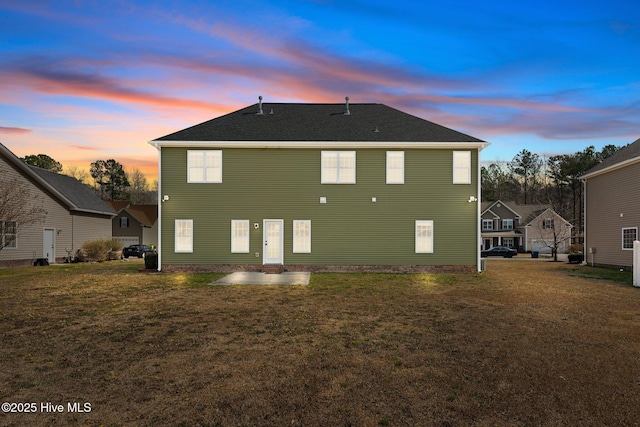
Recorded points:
(260, 112)
(347, 112)
(271, 112)
(376, 130)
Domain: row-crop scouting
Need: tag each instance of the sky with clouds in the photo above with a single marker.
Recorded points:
(82, 80)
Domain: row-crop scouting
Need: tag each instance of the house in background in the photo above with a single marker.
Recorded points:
(319, 187)
(612, 208)
(74, 214)
(135, 224)
(526, 228)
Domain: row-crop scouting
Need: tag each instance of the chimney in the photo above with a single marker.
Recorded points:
(260, 112)
(347, 112)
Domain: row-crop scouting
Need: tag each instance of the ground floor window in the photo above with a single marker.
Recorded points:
(302, 236)
(240, 236)
(508, 242)
(8, 234)
(184, 235)
(629, 235)
(424, 236)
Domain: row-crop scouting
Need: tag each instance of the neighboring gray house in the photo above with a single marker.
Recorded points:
(135, 224)
(74, 214)
(612, 208)
(526, 228)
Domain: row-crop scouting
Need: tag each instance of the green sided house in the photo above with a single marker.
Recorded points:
(319, 187)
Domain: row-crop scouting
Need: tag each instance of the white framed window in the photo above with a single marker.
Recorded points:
(395, 167)
(424, 236)
(462, 167)
(338, 167)
(204, 166)
(240, 236)
(124, 222)
(507, 224)
(184, 235)
(487, 224)
(8, 234)
(301, 236)
(548, 224)
(508, 242)
(629, 235)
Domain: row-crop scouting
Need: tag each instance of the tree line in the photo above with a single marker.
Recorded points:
(531, 179)
(106, 177)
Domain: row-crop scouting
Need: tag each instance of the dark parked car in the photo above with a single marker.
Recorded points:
(138, 251)
(500, 251)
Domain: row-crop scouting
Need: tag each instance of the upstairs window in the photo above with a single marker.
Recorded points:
(487, 224)
(124, 222)
(462, 167)
(395, 167)
(629, 235)
(548, 224)
(204, 166)
(338, 167)
(507, 224)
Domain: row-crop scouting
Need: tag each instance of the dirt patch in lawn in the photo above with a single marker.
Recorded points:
(525, 343)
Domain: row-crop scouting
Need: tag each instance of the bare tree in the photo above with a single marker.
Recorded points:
(77, 173)
(18, 210)
(139, 189)
(552, 232)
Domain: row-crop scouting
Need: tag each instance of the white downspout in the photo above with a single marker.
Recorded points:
(159, 208)
(478, 219)
(584, 224)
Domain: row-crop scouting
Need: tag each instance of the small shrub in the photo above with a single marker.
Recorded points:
(101, 250)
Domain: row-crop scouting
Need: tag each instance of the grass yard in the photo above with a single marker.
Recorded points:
(526, 343)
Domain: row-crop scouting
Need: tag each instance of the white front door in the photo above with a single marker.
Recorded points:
(49, 245)
(273, 236)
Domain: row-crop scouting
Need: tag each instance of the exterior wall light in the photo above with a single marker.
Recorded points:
(472, 199)
(165, 198)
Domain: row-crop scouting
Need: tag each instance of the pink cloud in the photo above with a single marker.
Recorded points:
(13, 130)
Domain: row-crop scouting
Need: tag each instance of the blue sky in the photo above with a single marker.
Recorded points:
(85, 80)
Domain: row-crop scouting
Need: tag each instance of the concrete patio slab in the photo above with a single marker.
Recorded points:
(253, 278)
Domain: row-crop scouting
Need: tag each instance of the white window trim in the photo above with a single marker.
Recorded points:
(338, 153)
(391, 154)
(623, 230)
(462, 161)
(307, 249)
(507, 221)
(244, 249)
(417, 238)
(487, 221)
(204, 166)
(188, 239)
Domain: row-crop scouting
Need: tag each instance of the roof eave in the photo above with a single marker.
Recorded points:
(320, 144)
(611, 168)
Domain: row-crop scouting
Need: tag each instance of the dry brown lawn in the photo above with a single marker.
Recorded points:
(526, 343)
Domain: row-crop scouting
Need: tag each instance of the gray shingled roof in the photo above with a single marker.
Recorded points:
(319, 122)
(75, 191)
(69, 191)
(629, 152)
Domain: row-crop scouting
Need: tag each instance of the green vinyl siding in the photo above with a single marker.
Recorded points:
(260, 184)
